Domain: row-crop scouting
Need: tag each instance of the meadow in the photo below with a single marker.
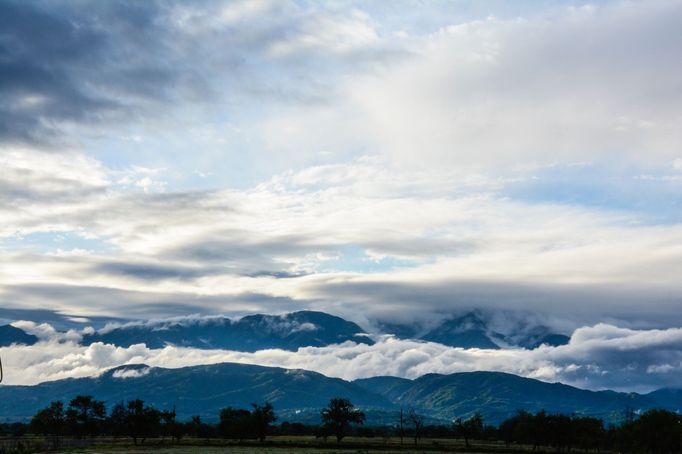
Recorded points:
(273, 445)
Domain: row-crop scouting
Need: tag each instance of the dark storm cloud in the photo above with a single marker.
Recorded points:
(150, 272)
(237, 246)
(62, 62)
(567, 305)
(93, 301)
(101, 63)
(277, 274)
(60, 321)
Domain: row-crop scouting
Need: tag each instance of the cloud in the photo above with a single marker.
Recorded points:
(102, 68)
(356, 161)
(558, 86)
(59, 75)
(131, 373)
(598, 357)
(396, 243)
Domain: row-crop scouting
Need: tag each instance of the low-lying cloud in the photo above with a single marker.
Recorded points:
(598, 357)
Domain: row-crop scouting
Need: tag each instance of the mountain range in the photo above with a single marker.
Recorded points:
(472, 331)
(247, 334)
(299, 395)
(295, 330)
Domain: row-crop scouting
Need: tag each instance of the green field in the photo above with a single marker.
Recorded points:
(274, 445)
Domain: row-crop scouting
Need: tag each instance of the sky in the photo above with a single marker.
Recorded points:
(397, 161)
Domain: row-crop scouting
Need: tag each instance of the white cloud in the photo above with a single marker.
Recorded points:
(434, 238)
(131, 373)
(581, 84)
(598, 357)
(408, 158)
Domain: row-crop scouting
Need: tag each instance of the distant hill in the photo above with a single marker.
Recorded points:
(670, 398)
(197, 390)
(498, 395)
(10, 335)
(299, 395)
(248, 334)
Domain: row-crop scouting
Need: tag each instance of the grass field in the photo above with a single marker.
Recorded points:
(286, 445)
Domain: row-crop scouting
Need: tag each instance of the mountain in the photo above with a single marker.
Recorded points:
(10, 335)
(299, 395)
(498, 395)
(295, 330)
(197, 390)
(670, 398)
(471, 331)
(543, 338)
(248, 334)
(468, 331)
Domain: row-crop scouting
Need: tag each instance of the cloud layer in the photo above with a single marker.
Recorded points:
(598, 357)
(332, 238)
(165, 158)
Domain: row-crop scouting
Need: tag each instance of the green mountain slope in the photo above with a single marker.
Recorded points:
(197, 390)
(300, 395)
(498, 396)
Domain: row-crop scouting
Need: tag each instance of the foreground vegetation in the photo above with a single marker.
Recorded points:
(84, 425)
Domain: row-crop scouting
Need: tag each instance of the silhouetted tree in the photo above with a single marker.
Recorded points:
(235, 423)
(169, 426)
(142, 421)
(50, 421)
(470, 429)
(562, 432)
(261, 417)
(85, 416)
(418, 425)
(588, 432)
(658, 432)
(200, 429)
(118, 420)
(338, 417)
(401, 424)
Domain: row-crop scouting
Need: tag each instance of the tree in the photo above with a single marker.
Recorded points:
(401, 425)
(85, 416)
(118, 420)
(588, 432)
(262, 416)
(169, 425)
(339, 415)
(658, 431)
(200, 429)
(471, 428)
(418, 424)
(50, 421)
(143, 421)
(235, 423)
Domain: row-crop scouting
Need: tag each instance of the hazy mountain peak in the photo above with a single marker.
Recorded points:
(250, 333)
(12, 335)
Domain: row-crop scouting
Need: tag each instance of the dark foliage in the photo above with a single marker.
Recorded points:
(470, 429)
(85, 416)
(338, 417)
(654, 431)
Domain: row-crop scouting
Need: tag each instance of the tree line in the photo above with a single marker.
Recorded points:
(86, 417)
(654, 431)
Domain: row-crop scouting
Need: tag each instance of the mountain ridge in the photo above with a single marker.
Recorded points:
(295, 330)
(299, 395)
(250, 333)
